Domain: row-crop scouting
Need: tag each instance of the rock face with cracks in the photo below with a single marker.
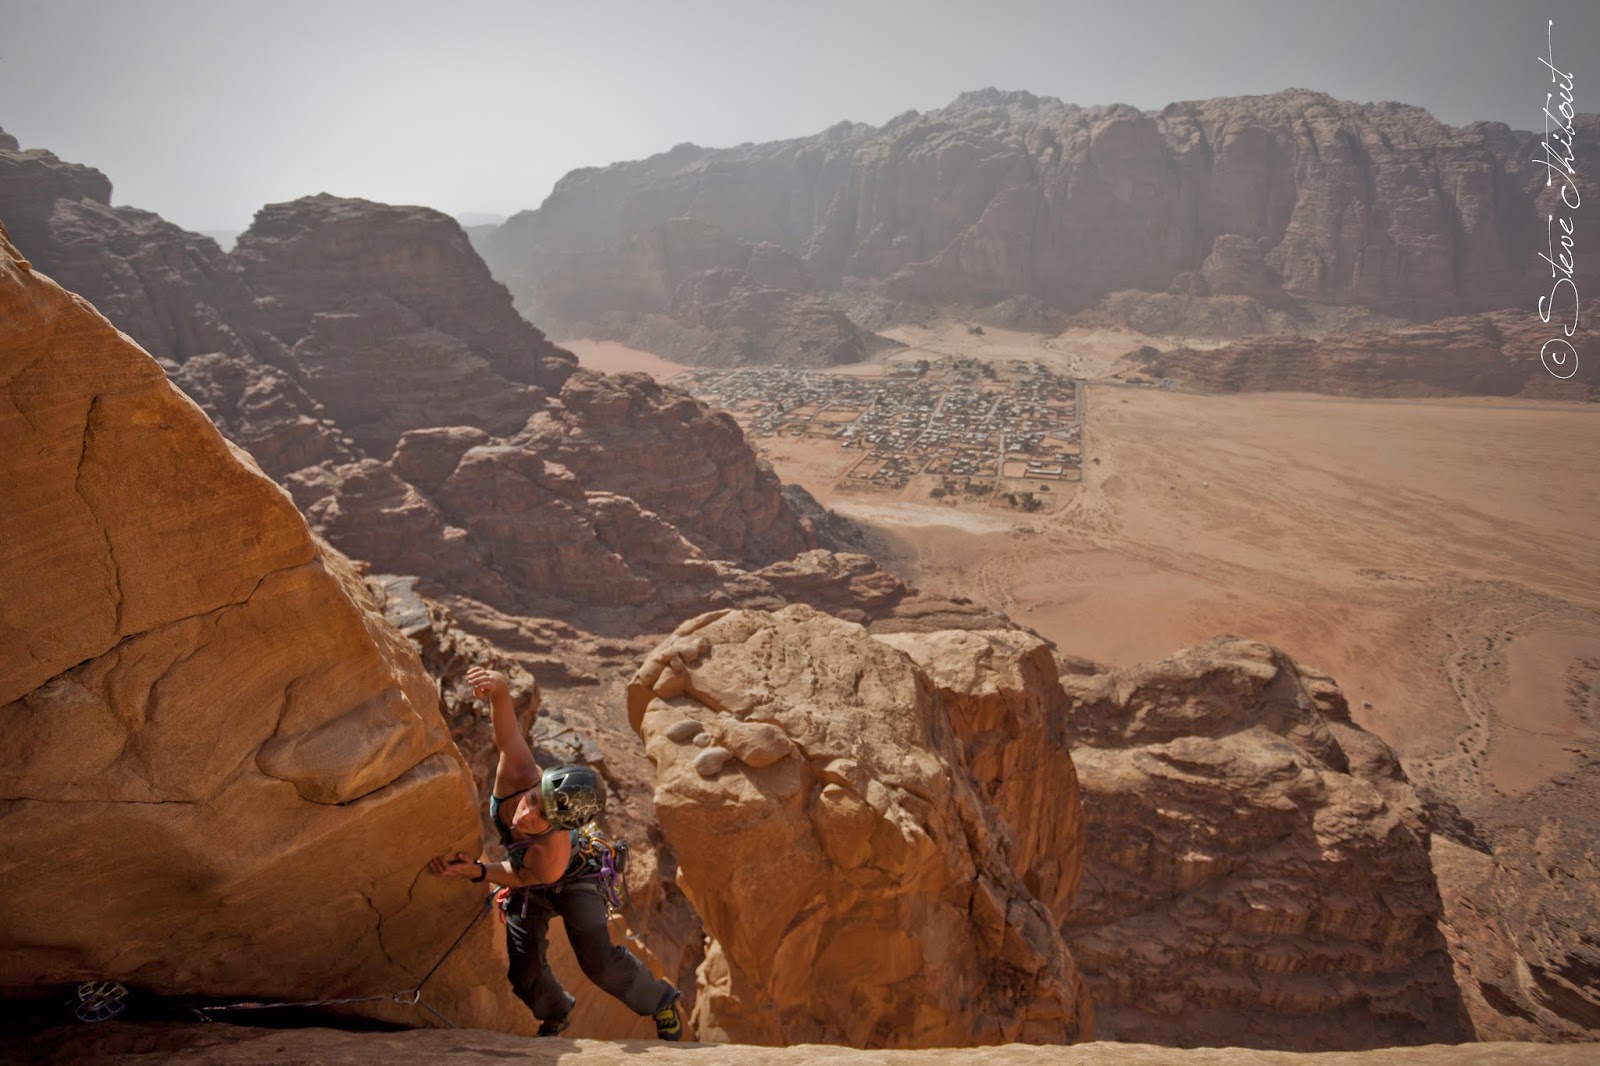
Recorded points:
(223, 772)
(1009, 712)
(857, 886)
(1257, 871)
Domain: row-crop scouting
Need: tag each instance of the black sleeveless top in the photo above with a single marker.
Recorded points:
(574, 864)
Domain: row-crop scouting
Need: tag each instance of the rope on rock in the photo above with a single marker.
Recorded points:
(100, 1001)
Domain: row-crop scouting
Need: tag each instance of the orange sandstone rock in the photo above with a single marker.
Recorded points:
(860, 888)
(224, 772)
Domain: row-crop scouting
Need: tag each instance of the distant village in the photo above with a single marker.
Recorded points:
(1009, 430)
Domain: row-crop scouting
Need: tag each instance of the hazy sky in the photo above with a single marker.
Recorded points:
(203, 110)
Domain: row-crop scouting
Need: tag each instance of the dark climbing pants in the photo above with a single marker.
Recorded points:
(582, 907)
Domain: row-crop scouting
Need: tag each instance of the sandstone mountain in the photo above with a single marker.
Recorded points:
(1289, 197)
(173, 291)
(365, 356)
(856, 885)
(224, 773)
(1258, 871)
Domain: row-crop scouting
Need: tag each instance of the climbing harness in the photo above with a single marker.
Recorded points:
(101, 1000)
(597, 858)
(608, 859)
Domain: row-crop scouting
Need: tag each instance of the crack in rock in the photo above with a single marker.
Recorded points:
(77, 486)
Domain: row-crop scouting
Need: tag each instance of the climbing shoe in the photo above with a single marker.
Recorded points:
(669, 1018)
(555, 1026)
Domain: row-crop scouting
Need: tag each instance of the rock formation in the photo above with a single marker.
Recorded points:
(1257, 869)
(393, 321)
(856, 887)
(1005, 195)
(1495, 354)
(224, 773)
(366, 358)
(172, 291)
(686, 290)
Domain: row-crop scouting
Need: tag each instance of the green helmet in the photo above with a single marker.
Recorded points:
(571, 795)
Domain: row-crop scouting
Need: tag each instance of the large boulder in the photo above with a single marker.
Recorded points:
(1257, 871)
(855, 883)
(223, 771)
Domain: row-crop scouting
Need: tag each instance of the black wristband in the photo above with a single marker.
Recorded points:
(483, 871)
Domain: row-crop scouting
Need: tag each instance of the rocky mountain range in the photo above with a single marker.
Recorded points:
(1291, 200)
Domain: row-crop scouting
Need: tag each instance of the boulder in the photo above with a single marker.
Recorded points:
(855, 885)
(224, 771)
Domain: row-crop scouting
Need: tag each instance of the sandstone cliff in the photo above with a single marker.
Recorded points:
(223, 771)
(856, 886)
(1493, 354)
(1004, 195)
(366, 358)
(1257, 869)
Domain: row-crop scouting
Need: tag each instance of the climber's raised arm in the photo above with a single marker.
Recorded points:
(517, 769)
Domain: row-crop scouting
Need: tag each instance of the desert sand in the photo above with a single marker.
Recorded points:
(1436, 557)
(610, 357)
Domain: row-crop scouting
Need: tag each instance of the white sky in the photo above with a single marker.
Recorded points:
(203, 110)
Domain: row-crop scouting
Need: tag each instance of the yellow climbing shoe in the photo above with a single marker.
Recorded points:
(669, 1019)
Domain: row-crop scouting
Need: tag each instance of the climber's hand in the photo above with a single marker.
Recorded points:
(461, 866)
(485, 683)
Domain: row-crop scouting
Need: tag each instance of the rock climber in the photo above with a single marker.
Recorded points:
(545, 874)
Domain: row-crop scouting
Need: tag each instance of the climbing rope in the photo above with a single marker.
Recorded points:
(99, 1001)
